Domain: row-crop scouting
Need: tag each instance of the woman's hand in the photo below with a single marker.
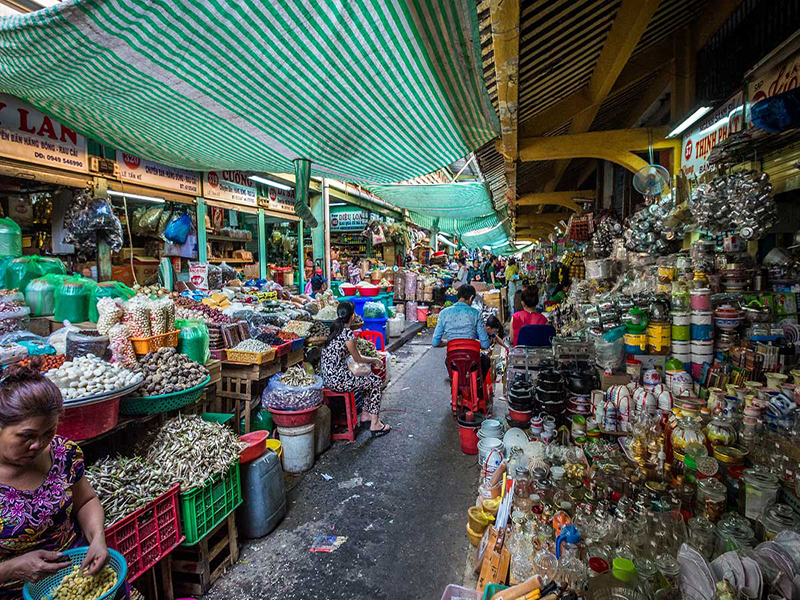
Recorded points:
(35, 565)
(96, 556)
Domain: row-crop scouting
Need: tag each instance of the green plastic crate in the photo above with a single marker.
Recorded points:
(204, 508)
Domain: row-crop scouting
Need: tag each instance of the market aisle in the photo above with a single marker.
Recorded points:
(400, 500)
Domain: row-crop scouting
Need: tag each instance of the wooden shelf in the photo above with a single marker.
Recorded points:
(238, 261)
(225, 238)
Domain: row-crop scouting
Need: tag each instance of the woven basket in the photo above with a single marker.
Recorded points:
(153, 343)
(251, 358)
(152, 405)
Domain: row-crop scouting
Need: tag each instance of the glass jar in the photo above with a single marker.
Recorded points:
(669, 568)
(701, 536)
(777, 518)
(522, 489)
(720, 432)
(687, 431)
(732, 532)
(648, 576)
(715, 499)
(759, 491)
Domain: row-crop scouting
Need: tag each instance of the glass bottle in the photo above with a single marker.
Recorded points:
(537, 506)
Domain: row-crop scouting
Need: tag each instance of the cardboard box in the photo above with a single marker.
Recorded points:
(606, 381)
(125, 253)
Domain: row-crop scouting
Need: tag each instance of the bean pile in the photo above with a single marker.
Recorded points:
(297, 377)
(252, 346)
(77, 586)
(326, 314)
(299, 328)
(270, 339)
(167, 371)
(126, 484)
(192, 450)
(319, 330)
(189, 309)
(50, 361)
(89, 376)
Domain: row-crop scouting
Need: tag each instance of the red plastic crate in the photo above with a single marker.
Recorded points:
(148, 534)
(283, 349)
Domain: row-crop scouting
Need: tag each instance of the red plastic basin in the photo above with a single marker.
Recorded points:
(365, 291)
(84, 422)
(348, 289)
(520, 415)
(294, 418)
(256, 446)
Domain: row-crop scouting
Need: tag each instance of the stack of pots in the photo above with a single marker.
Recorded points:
(490, 436)
(520, 402)
(702, 330)
(550, 393)
(580, 385)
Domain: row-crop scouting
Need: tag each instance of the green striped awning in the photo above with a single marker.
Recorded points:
(454, 226)
(367, 90)
(454, 200)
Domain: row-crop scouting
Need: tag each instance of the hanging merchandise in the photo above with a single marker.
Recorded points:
(738, 202)
(95, 220)
(178, 229)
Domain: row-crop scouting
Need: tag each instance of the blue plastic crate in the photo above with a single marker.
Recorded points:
(298, 343)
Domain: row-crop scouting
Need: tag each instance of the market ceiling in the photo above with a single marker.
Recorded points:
(375, 91)
(565, 68)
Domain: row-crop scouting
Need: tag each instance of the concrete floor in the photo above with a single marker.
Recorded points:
(400, 500)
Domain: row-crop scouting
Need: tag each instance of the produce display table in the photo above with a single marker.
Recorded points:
(241, 386)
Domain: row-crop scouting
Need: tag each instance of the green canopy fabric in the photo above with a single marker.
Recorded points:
(370, 91)
(453, 200)
(453, 226)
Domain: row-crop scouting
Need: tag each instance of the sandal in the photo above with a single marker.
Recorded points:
(382, 431)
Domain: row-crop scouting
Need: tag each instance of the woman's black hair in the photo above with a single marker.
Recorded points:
(344, 312)
(316, 283)
(354, 260)
(461, 261)
(494, 323)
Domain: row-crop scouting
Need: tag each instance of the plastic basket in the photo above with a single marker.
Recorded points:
(148, 534)
(283, 349)
(204, 508)
(46, 588)
(163, 402)
(153, 343)
(456, 592)
(251, 358)
(90, 420)
(298, 343)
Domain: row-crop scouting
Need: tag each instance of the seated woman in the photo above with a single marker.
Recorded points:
(337, 376)
(46, 504)
(495, 331)
(528, 314)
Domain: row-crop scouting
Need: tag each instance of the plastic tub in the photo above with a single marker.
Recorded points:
(456, 592)
(369, 292)
(294, 418)
(256, 446)
(84, 422)
(378, 325)
(298, 448)
(394, 327)
(422, 313)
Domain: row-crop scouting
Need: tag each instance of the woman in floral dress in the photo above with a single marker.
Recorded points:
(46, 504)
(336, 375)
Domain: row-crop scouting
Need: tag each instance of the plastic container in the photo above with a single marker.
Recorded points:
(89, 420)
(298, 447)
(256, 446)
(193, 340)
(40, 297)
(72, 302)
(394, 327)
(378, 325)
(264, 496)
(146, 345)
(293, 418)
(757, 490)
(422, 313)
(701, 299)
(456, 592)
(163, 402)
(10, 238)
(14, 320)
(322, 430)
(148, 534)
(46, 588)
(205, 507)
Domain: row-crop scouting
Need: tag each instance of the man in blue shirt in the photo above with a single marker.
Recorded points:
(461, 321)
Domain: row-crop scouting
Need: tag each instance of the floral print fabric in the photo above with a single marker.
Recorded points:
(41, 519)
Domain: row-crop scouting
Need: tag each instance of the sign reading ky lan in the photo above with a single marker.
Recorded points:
(151, 174)
(230, 186)
(31, 136)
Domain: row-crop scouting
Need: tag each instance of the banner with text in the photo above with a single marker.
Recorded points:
(710, 131)
(348, 219)
(278, 200)
(774, 79)
(30, 136)
(151, 174)
(230, 186)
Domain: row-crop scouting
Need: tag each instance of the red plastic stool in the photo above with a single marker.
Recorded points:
(351, 414)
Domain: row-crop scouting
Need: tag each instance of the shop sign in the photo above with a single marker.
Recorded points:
(776, 79)
(151, 174)
(31, 136)
(279, 200)
(229, 186)
(348, 219)
(709, 132)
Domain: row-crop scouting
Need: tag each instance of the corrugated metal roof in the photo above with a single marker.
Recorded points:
(616, 108)
(671, 16)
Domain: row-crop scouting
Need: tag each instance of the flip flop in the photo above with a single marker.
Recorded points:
(380, 432)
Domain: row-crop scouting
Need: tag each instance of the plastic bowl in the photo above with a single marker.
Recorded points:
(519, 415)
(348, 289)
(46, 587)
(256, 446)
(369, 291)
(275, 446)
(294, 418)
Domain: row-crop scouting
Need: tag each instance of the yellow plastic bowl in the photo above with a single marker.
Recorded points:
(478, 520)
(275, 446)
(474, 538)
(490, 505)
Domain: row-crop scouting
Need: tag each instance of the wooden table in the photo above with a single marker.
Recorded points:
(241, 386)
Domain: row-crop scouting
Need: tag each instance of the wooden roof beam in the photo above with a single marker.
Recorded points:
(563, 199)
(505, 42)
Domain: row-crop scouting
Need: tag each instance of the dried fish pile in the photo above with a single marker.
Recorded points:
(126, 484)
(192, 450)
(366, 348)
(297, 377)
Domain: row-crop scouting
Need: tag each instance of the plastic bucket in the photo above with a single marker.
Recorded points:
(422, 314)
(468, 432)
(378, 325)
(298, 448)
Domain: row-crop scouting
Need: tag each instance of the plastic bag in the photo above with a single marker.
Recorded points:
(214, 277)
(13, 318)
(40, 296)
(166, 218)
(178, 229)
(95, 221)
(148, 222)
(58, 339)
(374, 310)
(358, 369)
(119, 342)
(193, 340)
(81, 343)
(109, 313)
(108, 289)
(72, 299)
(162, 316)
(137, 317)
(135, 218)
(10, 238)
(227, 273)
(280, 396)
(21, 336)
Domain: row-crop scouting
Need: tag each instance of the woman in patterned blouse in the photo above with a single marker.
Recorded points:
(46, 504)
